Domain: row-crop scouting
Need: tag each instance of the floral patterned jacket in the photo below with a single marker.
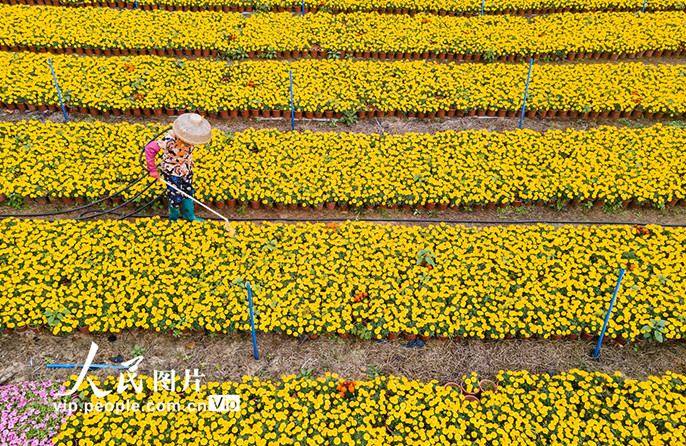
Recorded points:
(177, 156)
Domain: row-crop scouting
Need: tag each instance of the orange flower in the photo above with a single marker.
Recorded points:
(641, 230)
(345, 387)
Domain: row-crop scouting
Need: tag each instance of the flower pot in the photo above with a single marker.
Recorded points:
(85, 329)
(555, 337)
(486, 385)
(313, 336)
(586, 336)
(254, 204)
(392, 336)
(572, 336)
(465, 393)
(343, 335)
(331, 205)
(409, 337)
(424, 338)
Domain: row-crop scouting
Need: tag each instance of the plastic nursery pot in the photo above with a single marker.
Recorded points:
(393, 336)
(410, 337)
(486, 385)
(85, 329)
(452, 384)
(424, 338)
(586, 336)
(471, 399)
(465, 392)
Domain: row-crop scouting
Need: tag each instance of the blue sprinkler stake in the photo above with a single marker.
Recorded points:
(136, 2)
(526, 91)
(92, 366)
(482, 6)
(252, 323)
(64, 111)
(290, 75)
(303, 8)
(644, 5)
(596, 352)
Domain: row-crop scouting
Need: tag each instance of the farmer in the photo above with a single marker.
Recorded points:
(177, 146)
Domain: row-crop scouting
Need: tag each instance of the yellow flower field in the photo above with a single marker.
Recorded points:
(362, 278)
(469, 168)
(455, 6)
(570, 408)
(150, 82)
(237, 36)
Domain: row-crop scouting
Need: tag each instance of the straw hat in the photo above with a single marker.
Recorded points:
(192, 129)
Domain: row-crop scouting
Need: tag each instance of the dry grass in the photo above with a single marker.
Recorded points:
(224, 358)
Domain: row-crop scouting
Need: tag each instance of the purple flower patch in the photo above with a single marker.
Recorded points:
(29, 415)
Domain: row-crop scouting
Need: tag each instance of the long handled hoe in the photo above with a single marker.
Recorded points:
(227, 225)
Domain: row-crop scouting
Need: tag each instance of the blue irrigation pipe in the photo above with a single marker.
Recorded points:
(290, 75)
(596, 352)
(136, 2)
(644, 5)
(482, 6)
(252, 323)
(526, 91)
(92, 366)
(59, 94)
(303, 7)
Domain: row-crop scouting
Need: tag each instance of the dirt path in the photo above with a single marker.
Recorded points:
(526, 215)
(224, 358)
(391, 125)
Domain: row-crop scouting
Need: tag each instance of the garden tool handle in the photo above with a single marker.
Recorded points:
(196, 201)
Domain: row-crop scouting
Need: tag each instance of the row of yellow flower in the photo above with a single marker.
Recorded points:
(451, 168)
(319, 85)
(360, 278)
(398, 6)
(576, 407)
(237, 36)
